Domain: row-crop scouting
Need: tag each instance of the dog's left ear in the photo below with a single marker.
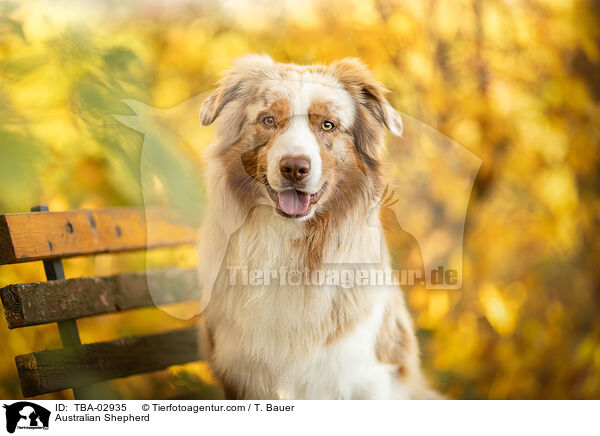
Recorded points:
(372, 109)
(373, 97)
(392, 120)
(370, 93)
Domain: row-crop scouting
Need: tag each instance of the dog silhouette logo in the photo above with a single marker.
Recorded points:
(26, 415)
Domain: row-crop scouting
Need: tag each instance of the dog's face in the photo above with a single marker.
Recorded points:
(307, 139)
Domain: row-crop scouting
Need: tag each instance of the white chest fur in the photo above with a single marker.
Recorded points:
(274, 340)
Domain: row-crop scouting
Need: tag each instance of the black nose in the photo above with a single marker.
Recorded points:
(294, 168)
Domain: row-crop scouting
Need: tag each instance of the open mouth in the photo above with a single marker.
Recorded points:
(293, 203)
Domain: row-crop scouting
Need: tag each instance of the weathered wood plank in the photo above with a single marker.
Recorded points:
(57, 300)
(48, 371)
(33, 236)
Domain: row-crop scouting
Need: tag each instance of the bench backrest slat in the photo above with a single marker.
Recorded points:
(37, 303)
(53, 370)
(33, 236)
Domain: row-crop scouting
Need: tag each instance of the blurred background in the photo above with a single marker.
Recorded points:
(515, 82)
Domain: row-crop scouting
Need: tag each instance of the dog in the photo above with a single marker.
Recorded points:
(293, 181)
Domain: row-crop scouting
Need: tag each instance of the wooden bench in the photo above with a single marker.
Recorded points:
(49, 237)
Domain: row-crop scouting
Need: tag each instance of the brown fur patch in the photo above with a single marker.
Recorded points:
(318, 113)
(396, 342)
(241, 167)
(280, 110)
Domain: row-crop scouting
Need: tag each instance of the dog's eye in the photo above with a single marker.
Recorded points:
(268, 121)
(327, 126)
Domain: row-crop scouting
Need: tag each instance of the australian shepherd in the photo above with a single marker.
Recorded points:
(294, 180)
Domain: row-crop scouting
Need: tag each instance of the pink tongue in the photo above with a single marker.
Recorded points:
(293, 202)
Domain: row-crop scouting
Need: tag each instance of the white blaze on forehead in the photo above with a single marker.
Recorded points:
(297, 140)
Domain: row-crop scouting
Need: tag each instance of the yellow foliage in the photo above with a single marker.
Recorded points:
(500, 313)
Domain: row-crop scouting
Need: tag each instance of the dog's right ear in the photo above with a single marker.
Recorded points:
(231, 86)
(213, 105)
